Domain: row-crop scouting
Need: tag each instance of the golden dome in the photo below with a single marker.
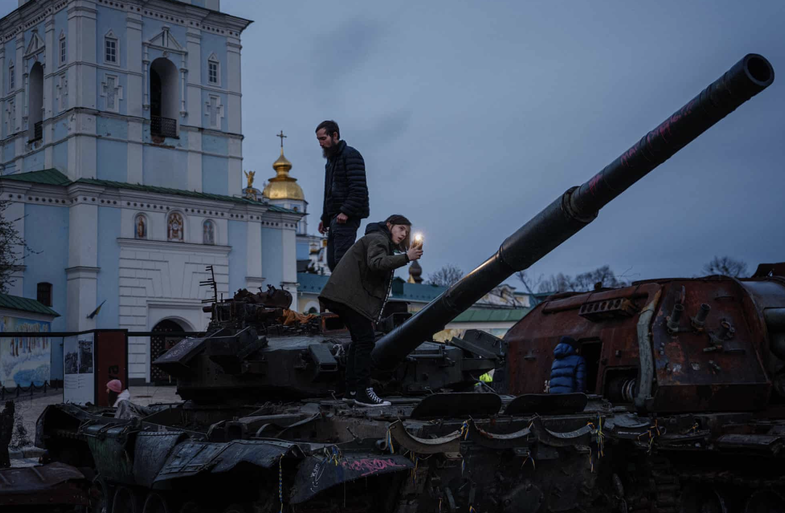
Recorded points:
(283, 186)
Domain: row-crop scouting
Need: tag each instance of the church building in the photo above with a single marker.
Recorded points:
(121, 154)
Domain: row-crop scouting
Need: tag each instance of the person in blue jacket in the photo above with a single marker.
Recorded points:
(568, 372)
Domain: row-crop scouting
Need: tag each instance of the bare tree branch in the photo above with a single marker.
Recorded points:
(726, 266)
(446, 276)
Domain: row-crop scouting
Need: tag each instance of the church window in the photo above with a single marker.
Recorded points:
(63, 50)
(44, 293)
(164, 98)
(11, 77)
(110, 48)
(36, 98)
(140, 227)
(175, 227)
(208, 232)
(212, 72)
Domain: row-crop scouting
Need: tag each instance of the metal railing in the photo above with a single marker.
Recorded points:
(38, 131)
(164, 127)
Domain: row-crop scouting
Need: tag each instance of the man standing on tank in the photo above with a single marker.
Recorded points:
(345, 192)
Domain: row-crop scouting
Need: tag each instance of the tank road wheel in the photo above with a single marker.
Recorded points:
(125, 501)
(703, 499)
(235, 508)
(190, 507)
(100, 496)
(765, 501)
(155, 503)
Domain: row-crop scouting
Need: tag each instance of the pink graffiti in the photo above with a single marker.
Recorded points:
(593, 183)
(370, 466)
(628, 155)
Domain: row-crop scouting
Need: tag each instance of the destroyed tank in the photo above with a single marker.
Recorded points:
(680, 414)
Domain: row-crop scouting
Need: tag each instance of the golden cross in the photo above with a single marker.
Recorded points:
(282, 138)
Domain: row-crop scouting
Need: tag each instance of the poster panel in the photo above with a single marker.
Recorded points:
(79, 369)
(24, 360)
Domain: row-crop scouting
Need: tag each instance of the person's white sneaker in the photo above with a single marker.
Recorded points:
(348, 397)
(369, 399)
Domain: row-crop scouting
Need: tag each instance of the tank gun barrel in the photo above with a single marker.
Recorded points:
(578, 206)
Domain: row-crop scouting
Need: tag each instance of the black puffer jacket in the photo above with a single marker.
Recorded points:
(345, 188)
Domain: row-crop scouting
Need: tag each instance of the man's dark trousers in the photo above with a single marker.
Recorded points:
(340, 238)
(358, 362)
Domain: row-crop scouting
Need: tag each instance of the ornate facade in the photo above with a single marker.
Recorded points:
(121, 150)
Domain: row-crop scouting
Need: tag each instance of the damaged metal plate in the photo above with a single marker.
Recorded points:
(450, 443)
(55, 483)
(547, 404)
(318, 474)
(151, 452)
(190, 458)
(462, 404)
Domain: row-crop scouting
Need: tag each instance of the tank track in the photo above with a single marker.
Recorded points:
(663, 489)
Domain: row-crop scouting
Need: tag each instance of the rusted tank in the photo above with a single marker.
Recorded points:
(264, 427)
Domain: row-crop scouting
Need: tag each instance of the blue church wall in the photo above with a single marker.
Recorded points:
(272, 256)
(215, 144)
(100, 78)
(105, 20)
(215, 175)
(60, 157)
(237, 265)
(9, 151)
(49, 238)
(112, 160)
(164, 167)
(61, 129)
(61, 25)
(198, 3)
(108, 284)
(303, 250)
(205, 101)
(34, 161)
(212, 43)
(111, 127)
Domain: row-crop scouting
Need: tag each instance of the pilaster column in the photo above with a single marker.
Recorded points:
(82, 271)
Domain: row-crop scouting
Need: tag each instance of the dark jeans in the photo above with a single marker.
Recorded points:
(358, 362)
(339, 239)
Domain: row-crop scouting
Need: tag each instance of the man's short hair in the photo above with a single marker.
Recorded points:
(330, 127)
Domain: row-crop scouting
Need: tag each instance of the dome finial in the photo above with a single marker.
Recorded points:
(283, 186)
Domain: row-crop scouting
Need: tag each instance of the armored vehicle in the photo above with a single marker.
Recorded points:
(684, 411)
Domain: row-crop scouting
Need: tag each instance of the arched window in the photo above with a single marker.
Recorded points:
(11, 77)
(175, 227)
(208, 232)
(140, 227)
(213, 70)
(44, 293)
(35, 123)
(63, 49)
(164, 98)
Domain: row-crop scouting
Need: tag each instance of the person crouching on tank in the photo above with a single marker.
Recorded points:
(357, 291)
(568, 372)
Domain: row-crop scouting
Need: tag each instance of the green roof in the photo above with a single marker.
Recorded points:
(46, 177)
(492, 315)
(25, 305)
(309, 282)
(55, 177)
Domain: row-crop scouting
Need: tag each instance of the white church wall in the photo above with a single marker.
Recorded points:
(160, 280)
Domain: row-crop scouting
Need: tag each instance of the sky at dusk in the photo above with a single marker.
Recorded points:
(473, 116)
